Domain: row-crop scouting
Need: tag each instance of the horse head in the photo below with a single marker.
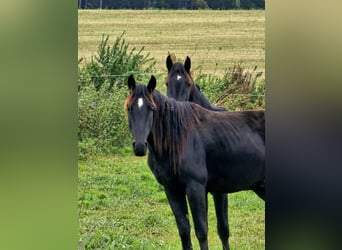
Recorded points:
(179, 82)
(140, 107)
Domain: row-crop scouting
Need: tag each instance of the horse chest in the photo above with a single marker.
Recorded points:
(162, 171)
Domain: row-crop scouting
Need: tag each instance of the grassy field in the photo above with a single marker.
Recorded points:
(121, 206)
(215, 40)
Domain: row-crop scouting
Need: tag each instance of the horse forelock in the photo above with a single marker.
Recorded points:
(140, 91)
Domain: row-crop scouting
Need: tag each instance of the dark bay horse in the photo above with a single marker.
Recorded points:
(181, 87)
(193, 151)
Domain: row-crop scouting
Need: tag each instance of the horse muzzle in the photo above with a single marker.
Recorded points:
(139, 148)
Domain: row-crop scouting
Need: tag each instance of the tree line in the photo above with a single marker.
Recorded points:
(171, 4)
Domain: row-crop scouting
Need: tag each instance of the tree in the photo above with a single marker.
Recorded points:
(171, 4)
(198, 4)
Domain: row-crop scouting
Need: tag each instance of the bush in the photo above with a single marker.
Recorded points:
(238, 89)
(102, 90)
(102, 127)
(113, 61)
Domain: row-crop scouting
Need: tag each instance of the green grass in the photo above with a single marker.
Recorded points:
(121, 206)
(216, 40)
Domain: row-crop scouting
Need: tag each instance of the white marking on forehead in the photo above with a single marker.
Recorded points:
(140, 102)
(178, 77)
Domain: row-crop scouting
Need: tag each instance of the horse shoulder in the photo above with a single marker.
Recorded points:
(193, 164)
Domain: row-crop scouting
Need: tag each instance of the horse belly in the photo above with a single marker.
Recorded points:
(230, 177)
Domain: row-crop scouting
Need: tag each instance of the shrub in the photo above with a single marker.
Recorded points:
(238, 89)
(102, 90)
(102, 127)
(112, 61)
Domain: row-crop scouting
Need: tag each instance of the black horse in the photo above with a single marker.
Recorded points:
(181, 87)
(193, 151)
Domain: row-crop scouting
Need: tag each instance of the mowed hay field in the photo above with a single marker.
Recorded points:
(120, 204)
(215, 40)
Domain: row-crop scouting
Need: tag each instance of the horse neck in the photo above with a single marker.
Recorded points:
(197, 97)
(172, 122)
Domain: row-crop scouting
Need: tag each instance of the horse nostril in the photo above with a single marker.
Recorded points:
(145, 144)
(133, 144)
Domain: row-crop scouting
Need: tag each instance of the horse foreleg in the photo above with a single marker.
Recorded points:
(177, 201)
(221, 209)
(260, 191)
(196, 193)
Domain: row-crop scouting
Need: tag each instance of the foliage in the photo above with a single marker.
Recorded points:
(102, 121)
(198, 4)
(115, 60)
(237, 89)
(171, 4)
(102, 127)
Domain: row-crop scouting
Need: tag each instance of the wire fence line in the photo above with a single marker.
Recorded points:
(157, 73)
(122, 75)
(163, 73)
(243, 95)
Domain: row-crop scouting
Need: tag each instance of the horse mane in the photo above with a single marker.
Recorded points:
(171, 125)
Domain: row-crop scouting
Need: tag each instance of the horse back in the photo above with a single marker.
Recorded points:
(256, 121)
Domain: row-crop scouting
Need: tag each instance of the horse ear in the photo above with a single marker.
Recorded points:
(169, 62)
(152, 84)
(131, 82)
(187, 64)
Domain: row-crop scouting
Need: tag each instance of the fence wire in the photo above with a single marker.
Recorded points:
(164, 73)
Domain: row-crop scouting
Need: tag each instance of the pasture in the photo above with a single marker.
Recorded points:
(213, 39)
(120, 204)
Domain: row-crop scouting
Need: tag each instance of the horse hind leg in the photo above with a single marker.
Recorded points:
(221, 209)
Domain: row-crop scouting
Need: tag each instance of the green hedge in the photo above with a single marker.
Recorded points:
(102, 90)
